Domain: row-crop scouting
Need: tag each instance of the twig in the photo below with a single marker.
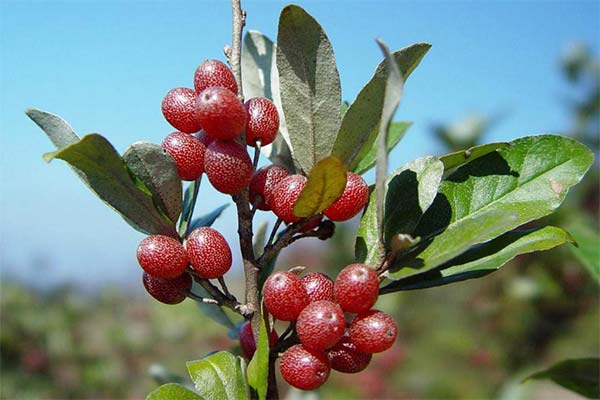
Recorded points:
(257, 146)
(201, 299)
(224, 288)
(274, 231)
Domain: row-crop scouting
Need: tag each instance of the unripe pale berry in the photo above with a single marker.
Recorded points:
(188, 153)
(262, 121)
(209, 252)
(228, 166)
(284, 296)
(263, 182)
(356, 288)
(352, 201)
(303, 368)
(168, 291)
(285, 195)
(162, 256)
(320, 325)
(220, 113)
(214, 73)
(247, 343)
(179, 109)
(345, 357)
(373, 331)
(318, 286)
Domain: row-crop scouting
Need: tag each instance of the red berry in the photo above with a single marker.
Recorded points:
(263, 182)
(320, 325)
(162, 256)
(247, 342)
(214, 73)
(285, 195)
(179, 109)
(318, 286)
(188, 153)
(168, 291)
(345, 357)
(262, 121)
(352, 201)
(209, 252)
(303, 368)
(356, 288)
(284, 296)
(228, 166)
(220, 113)
(373, 331)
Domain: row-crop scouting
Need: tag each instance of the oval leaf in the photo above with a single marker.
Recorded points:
(325, 185)
(58, 130)
(219, 376)
(208, 219)
(158, 172)
(171, 391)
(458, 158)
(587, 250)
(310, 86)
(579, 375)
(258, 368)
(396, 132)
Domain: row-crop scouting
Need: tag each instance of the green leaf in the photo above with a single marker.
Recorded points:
(396, 132)
(190, 197)
(324, 185)
(258, 369)
(219, 376)
(309, 84)
(212, 311)
(172, 391)
(58, 130)
(158, 173)
(579, 375)
(588, 249)
(461, 157)
(360, 125)
(106, 174)
(208, 219)
(494, 194)
(260, 238)
(485, 258)
(410, 190)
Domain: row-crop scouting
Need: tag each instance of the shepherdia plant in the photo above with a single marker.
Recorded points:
(431, 222)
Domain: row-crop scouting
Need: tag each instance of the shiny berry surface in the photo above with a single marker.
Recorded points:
(373, 331)
(318, 286)
(168, 291)
(356, 288)
(345, 357)
(179, 109)
(284, 296)
(209, 252)
(188, 153)
(320, 325)
(263, 182)
(303, 368)
(228, 166)
(220, 113)
(247, 343)
(162, 256)
(352, 201)
(285, 195)
(262, 121)
(214, 73)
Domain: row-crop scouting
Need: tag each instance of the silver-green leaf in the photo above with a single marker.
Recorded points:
(219, 376)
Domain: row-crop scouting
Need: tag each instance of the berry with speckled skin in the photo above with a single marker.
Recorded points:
(209, 252)
(162, 256)
(264, 180)
(352, 201)
(214, 73)
(284, 296)
(356, 288)
(247, 343)
(228, 166)
(179, 109)
(318, 286)
(188, 153)
(262, 121)
(168, 291)
(345, 357)
(285, 195)
(320, 325)
(220, 113)
(373, 331)
(303, 368)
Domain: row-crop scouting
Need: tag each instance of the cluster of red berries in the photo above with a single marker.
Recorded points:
(318, 305)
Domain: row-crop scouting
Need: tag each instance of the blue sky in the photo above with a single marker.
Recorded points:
(106, 65)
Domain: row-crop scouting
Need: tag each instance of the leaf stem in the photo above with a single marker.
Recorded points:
(257, 146)
(274, 231)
